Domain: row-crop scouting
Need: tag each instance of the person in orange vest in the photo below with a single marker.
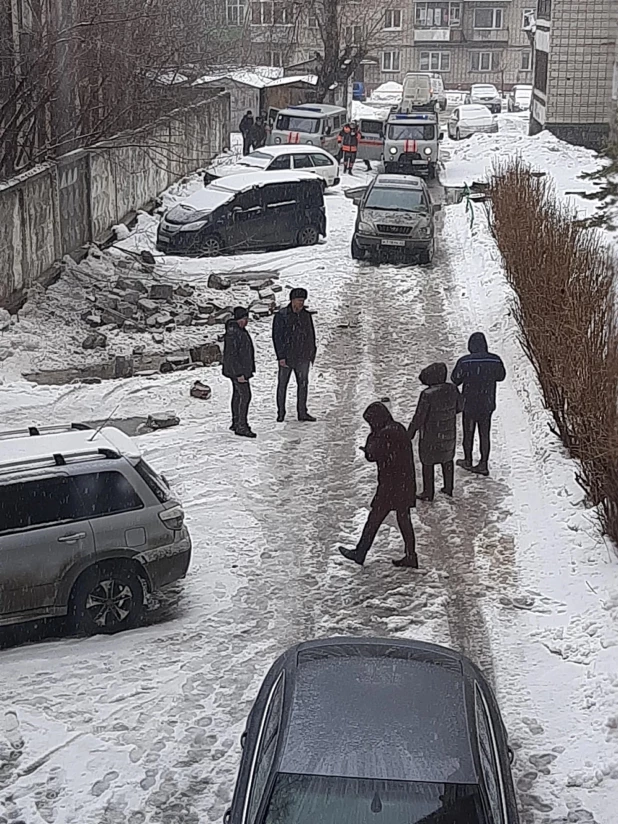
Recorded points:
(348, 140)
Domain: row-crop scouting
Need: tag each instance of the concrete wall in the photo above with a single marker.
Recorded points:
(56, 208)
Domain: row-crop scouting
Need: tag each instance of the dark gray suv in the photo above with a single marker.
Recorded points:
(395, 213)
(87, 527)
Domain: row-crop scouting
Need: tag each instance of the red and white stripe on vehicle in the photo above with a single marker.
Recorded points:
(293, 137)
(409, 145)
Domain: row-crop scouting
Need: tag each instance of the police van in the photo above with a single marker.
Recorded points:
(412, 142)
(315, 124)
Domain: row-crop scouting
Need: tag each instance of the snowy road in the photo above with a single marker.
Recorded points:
(144, 727)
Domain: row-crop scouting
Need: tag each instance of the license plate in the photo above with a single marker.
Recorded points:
(393, 243)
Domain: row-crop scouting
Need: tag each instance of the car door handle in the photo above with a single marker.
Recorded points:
(71, 539)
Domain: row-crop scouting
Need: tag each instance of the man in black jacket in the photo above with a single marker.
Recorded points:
(478, 373)
(245, 127)
(295, 347)
(239, 367)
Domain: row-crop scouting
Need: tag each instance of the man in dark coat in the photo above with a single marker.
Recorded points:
(295, 346)
(390, 447)
(478, 373)
(258, 133)
(435, 420)
(245, 128)
(239, 367)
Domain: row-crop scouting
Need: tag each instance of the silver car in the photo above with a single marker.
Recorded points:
(86, 528)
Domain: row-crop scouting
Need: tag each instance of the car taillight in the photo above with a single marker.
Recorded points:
(173, 518)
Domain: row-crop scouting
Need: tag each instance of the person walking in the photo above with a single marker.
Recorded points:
(245, 127)
(348, 138)
(388, 445)
(239, 367)
(435, 420)
(295, 347)
(478, 373)
(258, 133)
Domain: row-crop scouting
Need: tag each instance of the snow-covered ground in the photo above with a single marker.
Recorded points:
(144, 727)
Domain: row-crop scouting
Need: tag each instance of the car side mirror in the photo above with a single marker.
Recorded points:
(227, 815)
(441, 136)
(436, 207)
(329, 130)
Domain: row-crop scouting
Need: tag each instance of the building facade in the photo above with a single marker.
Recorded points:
(575, 70)
(466, 41)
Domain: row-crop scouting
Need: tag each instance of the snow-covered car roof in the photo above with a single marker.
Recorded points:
(488, 86)
(316, 109)
(17, 447)
(474, 109)
(261, 157)
(283, 149)
(221, 191)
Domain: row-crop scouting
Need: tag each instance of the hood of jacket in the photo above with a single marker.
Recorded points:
(377, 415)
(433, 374)
(477, 343)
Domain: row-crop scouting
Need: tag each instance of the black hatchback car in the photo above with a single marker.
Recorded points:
(259, 210)
(374, 731)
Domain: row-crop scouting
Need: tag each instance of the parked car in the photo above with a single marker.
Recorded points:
(519, 99)
(258, 210)
(313, 124)
(395, 212)
(280, 158)
(86, 525)
(486, 95)
(468, 120)
(358, 90)
(370, 729)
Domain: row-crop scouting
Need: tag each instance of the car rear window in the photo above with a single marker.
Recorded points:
(308, 799)
(297, 123)
(153, 481)
(371, 127)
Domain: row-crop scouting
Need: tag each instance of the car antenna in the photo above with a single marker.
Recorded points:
(104, 423)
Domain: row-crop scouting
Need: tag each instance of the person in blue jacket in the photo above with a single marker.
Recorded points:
(477, 374)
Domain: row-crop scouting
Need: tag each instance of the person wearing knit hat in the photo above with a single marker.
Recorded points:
(295, 347)
(239, 367)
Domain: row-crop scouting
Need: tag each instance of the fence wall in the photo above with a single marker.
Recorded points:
(55, 209)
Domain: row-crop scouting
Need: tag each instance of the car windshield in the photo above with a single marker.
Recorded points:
(259, 160)
(486, 90)
(314, 799)
(298, 123)
(400, 199)
(410, 131)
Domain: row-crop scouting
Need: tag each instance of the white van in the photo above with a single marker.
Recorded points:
(315, 124)
(421, 89)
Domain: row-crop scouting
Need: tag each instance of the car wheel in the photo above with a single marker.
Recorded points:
(308, 236)
(357, 252)
(106, 599)
(457, 134)
(211, 246)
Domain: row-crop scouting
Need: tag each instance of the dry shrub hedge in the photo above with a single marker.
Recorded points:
(564, 277)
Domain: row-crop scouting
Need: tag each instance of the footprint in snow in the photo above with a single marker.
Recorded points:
(102, 786)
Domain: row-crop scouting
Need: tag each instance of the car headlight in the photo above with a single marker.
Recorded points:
(393, 150)
(366, 227)
(277, 140)
(424, 231)
(193, 227)
(427, 150)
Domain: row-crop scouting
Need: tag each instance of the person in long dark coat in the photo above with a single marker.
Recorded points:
(478, 373)
(245, 127)
(239, 367)
(258, 133)
(295, 347)
(388, 445)
(435, 420)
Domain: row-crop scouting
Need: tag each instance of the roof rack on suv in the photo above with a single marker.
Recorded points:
(58, 459)
(45, 430)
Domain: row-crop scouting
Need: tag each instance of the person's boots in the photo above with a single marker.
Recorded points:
(464, 464)
(351, 555)
(410, 561)
(245, 432)
(480, 469)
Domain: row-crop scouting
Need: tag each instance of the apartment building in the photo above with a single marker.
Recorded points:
(576, 70)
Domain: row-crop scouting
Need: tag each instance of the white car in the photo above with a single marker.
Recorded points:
(486, 95)
(280, 158)
(468, 120)
(519, 99)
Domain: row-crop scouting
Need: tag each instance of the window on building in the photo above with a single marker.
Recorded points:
(488, 18)
(528, 17)
(353, 35)
(526, 61)
(392, 19)
(282, 14)
(488, 61)
(313, 21)
(437, 15)
(391, 61)
(235, 10)
(543, 9)
(262, 13)
(540, 71)
(435, 61)
(274, 58)
(454, 14)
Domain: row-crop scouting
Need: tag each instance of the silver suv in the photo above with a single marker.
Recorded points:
(87, 527)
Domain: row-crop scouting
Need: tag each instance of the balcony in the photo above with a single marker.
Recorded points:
(442, 35)
(488, 35)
